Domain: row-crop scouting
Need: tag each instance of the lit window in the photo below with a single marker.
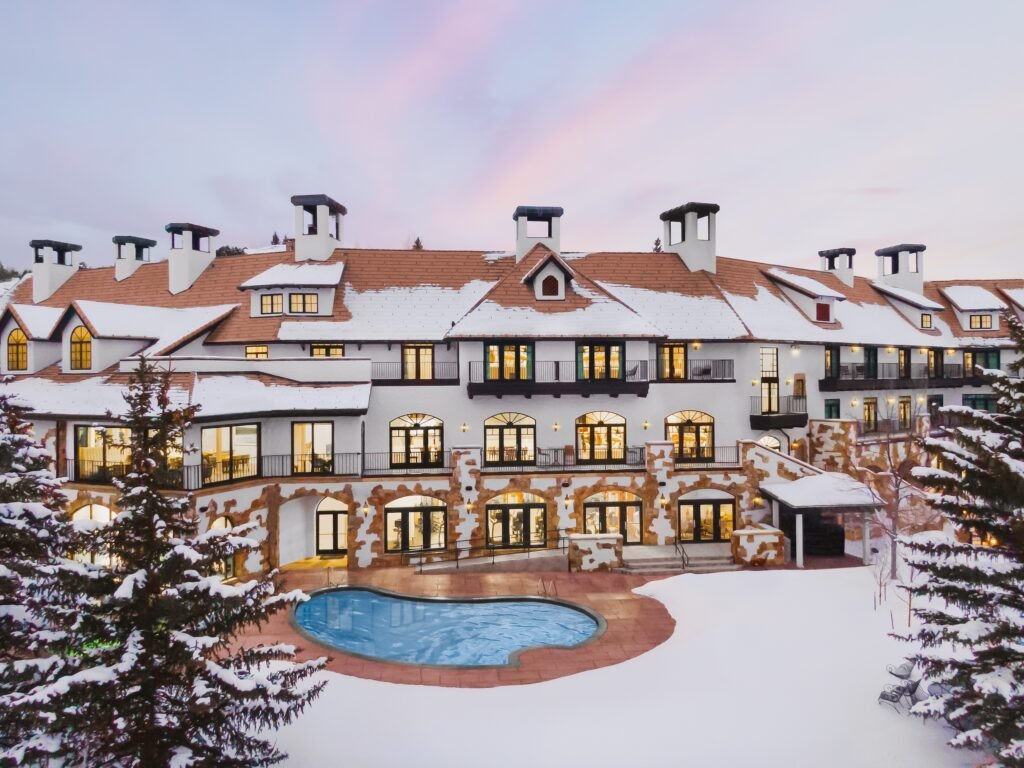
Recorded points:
(981, 322)
(326, 350)
(81, 349)
(271, 304)
(257, 352)
(230, 453)
(17, 350)
(303, 303)
(415, 523)
(926, 320)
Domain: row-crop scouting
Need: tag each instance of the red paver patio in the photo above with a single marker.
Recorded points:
(636, 624)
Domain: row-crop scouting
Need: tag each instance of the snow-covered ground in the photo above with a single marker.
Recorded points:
(778, 668)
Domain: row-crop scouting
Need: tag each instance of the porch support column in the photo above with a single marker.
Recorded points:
(799, 540)
(775, 513)
(865, 521)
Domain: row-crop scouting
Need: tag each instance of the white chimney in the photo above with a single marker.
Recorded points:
(839, 262)
(537, 224)
(132, 253)
(689, 232)
(902, 266)
(191, 252)
(318, 226)
(54, 264)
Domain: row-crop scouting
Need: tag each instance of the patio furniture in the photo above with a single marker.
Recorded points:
(902, 671)
(893, 695)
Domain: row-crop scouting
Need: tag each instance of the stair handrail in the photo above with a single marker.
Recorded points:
(683, 557)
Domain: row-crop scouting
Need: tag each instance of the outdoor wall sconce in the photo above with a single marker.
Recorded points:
(566, 502)
(795, 444)
(758, 500)
(890, 400)
(854, 402)
(565, 483)
(890, 350)
(464, 427)
(469, 506)
(662, 501)
(753, 382)
(789, 382)
(920, 399)
(795, 349)
(647, 424)
(854, 348)
(696, 345)
(366, 509)
(556, 426)
(923, 350)
(950, 351)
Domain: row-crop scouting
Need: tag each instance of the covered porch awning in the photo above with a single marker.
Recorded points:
(832, 491)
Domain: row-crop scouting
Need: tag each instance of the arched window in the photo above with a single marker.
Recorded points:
(510, 438)
(415, 524)
(17, 350)
(516, 519)
(549, 286)
(331, 527)
(600, 437)
(614, 512)
(770, 441)
(417, 440)
(706, 515)
(225, 567)
(81, 349)
(692, 434)
(90, 517)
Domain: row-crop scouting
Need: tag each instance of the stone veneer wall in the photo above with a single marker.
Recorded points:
(595, 552)
(758, 545)
(286, 503)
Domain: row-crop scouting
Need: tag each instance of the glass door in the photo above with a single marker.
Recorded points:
(614, 517)
(706, 521)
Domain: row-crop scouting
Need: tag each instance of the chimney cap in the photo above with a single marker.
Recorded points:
(196, 228)
(57, 245)
(894, 250)
(145, 242)
(537, 212)
(332, 205)
(833, 252)
(679, 212)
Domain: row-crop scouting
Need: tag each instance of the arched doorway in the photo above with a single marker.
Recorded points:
(98, 515)
(614, 512)
(516, 520)
(706, 516)
(331, 527)
(415, 524)
(417, 439)
(692, 434)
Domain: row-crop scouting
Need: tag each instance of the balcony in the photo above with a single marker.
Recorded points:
(399, 374)
(709, 457)
(857, 377)
(778, 413)
(102, 473)
(560, 378)
(565, 460)
(882, 428)
(697, 371)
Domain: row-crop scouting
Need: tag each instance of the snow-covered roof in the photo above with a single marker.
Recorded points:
(281, 248)
(94, 397)
(680, 315)
(908, 297)
(804, 284)
(1016, 295)
(165, 326)
(968, 298)
(825, 490)
(36, 320)
(414, 313)
(305, 275)
(227, 395)
(7, 290)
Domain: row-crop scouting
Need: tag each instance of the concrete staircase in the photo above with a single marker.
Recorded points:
(707, 558)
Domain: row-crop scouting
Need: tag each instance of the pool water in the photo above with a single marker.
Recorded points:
(439, 632)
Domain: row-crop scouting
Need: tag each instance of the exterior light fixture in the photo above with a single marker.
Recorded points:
(890, 350)
(890, 400)
(854, 402)
(950, 351)
(696, 345)
(920, 399)
(366, 508)
(464, 427)
(556, 426)
(758, 500)
(469, 506)
(566, 502)
(789, 382)
(795, 349)
(647, 424)
(854, 348)
(753, 382)
(923, 350)
(663, 501)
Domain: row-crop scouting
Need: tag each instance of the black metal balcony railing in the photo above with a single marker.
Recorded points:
(568, 459)
(786, 404)
(565, 371)
(696, 370)
(709, 456)
(447, 371)
(893, 371)
(386, 463)
(103, 473)
(883, 427)
(311, 464)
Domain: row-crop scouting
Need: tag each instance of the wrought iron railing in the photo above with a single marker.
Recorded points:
(564, 371)
(387, 463)
(770, 406)
(696, 370)
(708, 456)
(568, 459)
(446, 370)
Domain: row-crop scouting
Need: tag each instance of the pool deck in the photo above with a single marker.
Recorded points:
(635, 623)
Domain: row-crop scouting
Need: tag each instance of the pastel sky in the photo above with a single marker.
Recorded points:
(813, 124)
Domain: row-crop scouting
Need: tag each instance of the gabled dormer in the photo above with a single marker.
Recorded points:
(294, 289)
(976, 307)
(549, 278)
(53, 264)
(812, 297)
(537, 225)
(24, 336)
(919, 310)
(192, 251)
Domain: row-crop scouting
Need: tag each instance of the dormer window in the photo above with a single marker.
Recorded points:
(271, 304)
(81, 349)
(823, 312)
(981, 322)
(926, 320)
(549, 286)
(257, 352)
(303, 303)
(17, 350)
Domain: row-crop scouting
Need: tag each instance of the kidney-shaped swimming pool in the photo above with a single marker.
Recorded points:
(455, 632)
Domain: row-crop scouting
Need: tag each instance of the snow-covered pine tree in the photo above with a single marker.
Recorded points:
(168, 685)
(41, 589)
(969, 599)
